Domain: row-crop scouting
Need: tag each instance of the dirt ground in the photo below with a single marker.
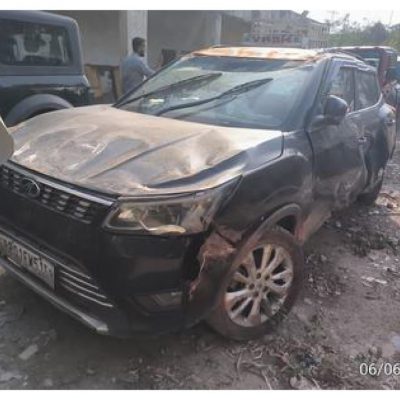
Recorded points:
(348, 314)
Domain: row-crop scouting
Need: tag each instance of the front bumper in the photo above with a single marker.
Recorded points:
(90, 321)
(110, 309)
(106, 280)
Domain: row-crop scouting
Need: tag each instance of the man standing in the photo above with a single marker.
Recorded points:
(133, 67)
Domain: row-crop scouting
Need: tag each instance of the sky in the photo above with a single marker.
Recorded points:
(385, 16)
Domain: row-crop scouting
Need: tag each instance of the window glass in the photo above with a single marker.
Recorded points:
(33, 44)
(343, 86)
(398, 69)
(370, 56)
(197, 88)
(367, 90)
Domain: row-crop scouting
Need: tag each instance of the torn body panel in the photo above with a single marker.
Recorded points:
(215, 258)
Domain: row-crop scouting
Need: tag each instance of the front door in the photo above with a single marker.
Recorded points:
(339, 166)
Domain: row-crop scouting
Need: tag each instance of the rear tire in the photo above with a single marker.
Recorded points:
(369, 199)
(256, 296)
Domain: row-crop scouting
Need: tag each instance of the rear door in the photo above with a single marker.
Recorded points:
(376, 122)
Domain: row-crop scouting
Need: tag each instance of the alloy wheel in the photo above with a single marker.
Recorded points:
(259, 286)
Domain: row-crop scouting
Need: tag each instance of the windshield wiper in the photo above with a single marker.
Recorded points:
(193, 79)
(244, 87)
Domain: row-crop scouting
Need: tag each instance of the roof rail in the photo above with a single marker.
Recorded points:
(339, 50)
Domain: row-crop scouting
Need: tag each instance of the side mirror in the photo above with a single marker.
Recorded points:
(335, 110)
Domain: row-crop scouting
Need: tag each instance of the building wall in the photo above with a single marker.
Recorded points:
(286, 28)
(100, 35)
(244, 15)
(233, 29)
(182, 31)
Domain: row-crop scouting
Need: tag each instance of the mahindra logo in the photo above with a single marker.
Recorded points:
(30, 188)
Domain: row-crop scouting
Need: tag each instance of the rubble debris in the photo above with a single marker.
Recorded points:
(323, 258)
(371, 279)
(10, 313)
(30, 351)
(366, 241)
(90, 371)
(48, 336)
(301, 383)
(6, 376)
(396, 342)
(48, 383)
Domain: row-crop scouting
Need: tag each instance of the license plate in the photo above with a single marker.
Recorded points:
(26, 259)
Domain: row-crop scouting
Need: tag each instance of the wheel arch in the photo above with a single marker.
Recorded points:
(34, 105)
(221, 250)
(287, 217)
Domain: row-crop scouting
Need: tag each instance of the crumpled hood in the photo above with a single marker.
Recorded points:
(128, 153)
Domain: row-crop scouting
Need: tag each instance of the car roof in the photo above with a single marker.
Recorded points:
(270, 53)
(258, 52)
(36, 16)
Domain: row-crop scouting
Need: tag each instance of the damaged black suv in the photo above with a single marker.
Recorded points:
(191, 197)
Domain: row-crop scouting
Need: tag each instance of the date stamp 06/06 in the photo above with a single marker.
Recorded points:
(380, 369)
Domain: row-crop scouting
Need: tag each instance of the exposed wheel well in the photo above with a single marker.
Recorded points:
(288, 223)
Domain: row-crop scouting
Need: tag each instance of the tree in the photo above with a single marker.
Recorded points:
(376, 34)
(346, 33)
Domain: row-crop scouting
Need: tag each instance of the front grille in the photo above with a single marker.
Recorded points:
(53, 198)
(81, 285)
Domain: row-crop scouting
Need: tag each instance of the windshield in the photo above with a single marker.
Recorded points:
(227, 91)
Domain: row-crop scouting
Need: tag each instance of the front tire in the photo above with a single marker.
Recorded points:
(260, 288)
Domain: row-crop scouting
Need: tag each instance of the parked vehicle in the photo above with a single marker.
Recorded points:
(382, 58)
(191, 197)
(41, 66)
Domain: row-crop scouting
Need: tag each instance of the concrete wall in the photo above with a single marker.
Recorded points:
(136, 25)
(233, 29)
(182, 31)
(107, 35)
(101, 33)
